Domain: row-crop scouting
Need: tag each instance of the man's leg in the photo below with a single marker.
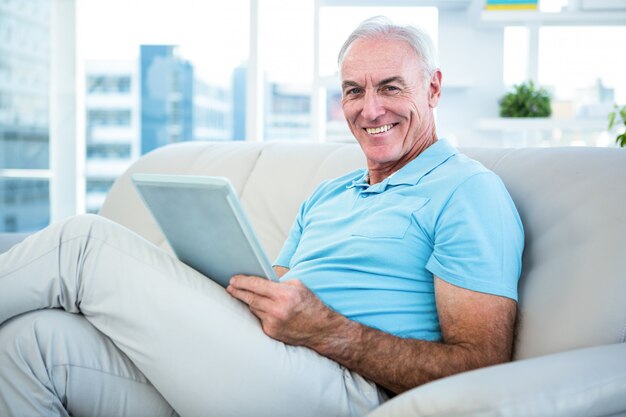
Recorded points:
(202, 349)
(55, 363)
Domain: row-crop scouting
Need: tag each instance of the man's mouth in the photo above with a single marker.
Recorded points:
(379, 129)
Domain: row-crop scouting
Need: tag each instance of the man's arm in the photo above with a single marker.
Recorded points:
(477, 331)
(280, 270)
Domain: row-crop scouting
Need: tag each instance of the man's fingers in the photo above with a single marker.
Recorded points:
(256, 285)
(254, 301)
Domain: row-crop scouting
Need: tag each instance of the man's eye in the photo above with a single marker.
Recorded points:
(353, 91)
(391, 89)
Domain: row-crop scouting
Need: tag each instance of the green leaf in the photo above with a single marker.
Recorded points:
(611, 119)
(525, 101)
(621, 140)
(622, 113)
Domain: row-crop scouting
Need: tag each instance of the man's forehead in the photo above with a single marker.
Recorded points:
(364, 46)
(375, 60)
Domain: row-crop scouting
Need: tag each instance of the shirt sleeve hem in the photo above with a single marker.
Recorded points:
(473, 285)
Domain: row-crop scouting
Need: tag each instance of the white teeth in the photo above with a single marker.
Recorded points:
(380, 129)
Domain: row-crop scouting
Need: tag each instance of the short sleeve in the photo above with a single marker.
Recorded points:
(291, 244)
(479, 238)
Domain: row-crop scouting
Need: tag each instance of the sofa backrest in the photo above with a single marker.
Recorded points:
(571, 200)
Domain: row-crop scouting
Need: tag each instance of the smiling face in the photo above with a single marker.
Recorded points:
(385, 103)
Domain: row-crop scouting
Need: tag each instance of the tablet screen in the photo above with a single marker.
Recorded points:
(204, 223)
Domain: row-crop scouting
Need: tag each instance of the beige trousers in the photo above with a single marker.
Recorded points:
(202, 350)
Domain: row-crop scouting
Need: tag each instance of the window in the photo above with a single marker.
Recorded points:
(166, 74)
(584, 69)
(516, 55)
(108, 84)
(108, 117)
(25, 204)
(580, 67)
(177, 70)
(97, 189)
(24, 137)
(286, 58)
(574, 60)
(108, 151)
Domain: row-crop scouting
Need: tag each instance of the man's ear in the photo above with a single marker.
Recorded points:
(434, 89)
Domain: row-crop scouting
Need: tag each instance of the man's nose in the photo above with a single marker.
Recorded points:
(372, 106)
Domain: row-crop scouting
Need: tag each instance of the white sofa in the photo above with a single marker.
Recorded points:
(570, 355)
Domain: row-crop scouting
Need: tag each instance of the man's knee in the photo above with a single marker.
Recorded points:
(59, 358)
(86, 224)
(57, 337)
(92, 226)
(19, 335)
(26, 386)
(37, 335)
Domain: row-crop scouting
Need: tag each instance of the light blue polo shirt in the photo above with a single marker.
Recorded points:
(370, 252)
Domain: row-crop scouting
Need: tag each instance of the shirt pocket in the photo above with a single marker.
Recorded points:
(389, 217)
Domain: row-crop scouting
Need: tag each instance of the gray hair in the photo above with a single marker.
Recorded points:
(381, 26)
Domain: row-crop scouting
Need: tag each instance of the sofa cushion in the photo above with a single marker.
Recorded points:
(573, 284)
(588, 382)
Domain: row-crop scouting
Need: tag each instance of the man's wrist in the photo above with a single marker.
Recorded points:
(339, 338)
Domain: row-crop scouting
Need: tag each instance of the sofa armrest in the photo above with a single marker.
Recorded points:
(586, 382)
(9, 239)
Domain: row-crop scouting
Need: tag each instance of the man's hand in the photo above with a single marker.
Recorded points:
(477, 331)
(288, 311)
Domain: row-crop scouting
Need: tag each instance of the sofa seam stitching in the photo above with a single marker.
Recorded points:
(249, 173)
(498, 161)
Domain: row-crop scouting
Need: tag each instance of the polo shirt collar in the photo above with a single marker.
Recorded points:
(362, 181)
(435, 155)
(410, 174)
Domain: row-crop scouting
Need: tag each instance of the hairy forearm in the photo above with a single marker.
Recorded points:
(476, 329)
(396, 363)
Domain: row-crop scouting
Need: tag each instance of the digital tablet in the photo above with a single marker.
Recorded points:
(205, 224)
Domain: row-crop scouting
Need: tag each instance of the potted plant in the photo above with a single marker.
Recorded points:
(526, 101)
(618, 117)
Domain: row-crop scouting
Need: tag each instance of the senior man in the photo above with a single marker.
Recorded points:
(391, 277)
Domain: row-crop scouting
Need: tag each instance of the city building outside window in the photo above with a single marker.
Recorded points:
(24, 138)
